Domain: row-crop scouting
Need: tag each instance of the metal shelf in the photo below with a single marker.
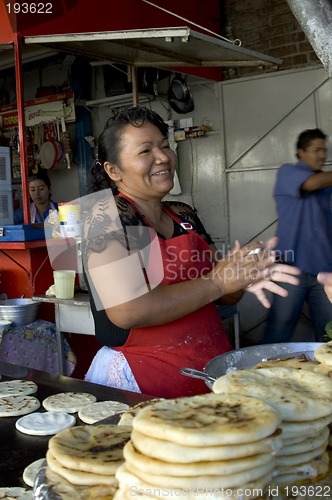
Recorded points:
(118, 100)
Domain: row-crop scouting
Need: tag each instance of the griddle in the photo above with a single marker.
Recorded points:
(18, 450)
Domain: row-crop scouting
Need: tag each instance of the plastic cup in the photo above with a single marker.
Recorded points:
(64, 282)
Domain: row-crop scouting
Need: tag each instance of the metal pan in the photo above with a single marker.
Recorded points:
(248, 357)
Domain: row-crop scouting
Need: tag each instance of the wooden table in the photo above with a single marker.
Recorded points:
(72, 316)
(18, 450)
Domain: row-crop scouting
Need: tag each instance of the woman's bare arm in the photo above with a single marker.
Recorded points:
(129, 303)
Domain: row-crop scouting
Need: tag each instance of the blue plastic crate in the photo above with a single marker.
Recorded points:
(24, 232)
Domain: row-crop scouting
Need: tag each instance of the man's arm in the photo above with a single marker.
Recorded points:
(317, 181)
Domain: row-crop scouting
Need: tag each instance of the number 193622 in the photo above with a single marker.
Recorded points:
(30, 8)
(314, 491)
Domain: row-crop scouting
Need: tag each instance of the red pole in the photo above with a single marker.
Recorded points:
(21, 125)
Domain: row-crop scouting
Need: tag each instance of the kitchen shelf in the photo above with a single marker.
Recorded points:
(118, 100)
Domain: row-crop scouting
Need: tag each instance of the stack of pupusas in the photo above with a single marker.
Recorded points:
(207, 446)
(323, 354)
(88, 456)
(303, 399)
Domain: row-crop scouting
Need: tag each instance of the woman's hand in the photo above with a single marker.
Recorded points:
(253, 268)
(243, 266)
(326, 280)
(278, 272)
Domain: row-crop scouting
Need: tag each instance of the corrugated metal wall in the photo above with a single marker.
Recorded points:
(229, 175)
(263, 117)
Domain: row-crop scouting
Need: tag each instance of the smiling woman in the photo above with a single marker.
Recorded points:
(151, 268)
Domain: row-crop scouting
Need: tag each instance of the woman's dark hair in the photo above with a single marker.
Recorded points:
(41, 176)
(307, 136)
(109, 142)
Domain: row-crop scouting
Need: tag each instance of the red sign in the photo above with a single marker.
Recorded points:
(9, 120)
(9, 117)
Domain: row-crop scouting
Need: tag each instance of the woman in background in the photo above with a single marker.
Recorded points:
(41, 202)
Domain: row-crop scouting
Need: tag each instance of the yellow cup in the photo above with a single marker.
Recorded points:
(64, 282)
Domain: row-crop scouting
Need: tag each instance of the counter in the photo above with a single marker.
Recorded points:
(21, 263)
(17, 450)
(71, 315)
(27, 266)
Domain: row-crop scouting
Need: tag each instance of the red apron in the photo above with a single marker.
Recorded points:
(156, 353)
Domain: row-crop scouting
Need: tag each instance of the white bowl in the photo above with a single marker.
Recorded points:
(5, 325)
(19, 311)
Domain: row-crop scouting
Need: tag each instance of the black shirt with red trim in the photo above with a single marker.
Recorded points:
(99, 229)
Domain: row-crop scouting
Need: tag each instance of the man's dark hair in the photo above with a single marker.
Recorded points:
(307, 136)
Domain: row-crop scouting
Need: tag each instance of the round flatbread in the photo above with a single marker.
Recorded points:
(44, 424)
(304, 429)
(173, 452)
(227, 481)
(95, 412)
(296, 363)
(298, 439)
(76, 476)
(323, 354)
(308, 444)
(129, 483)
(208, 420)
(206, 468)
(69, 402)
(17, 388)
(324, 369)
(57, 487)
(31, 471)
(318, 466)
(298, 395)
(300, 458)
(13, 406)
(12, 493)
(87, 448)
(127, 417)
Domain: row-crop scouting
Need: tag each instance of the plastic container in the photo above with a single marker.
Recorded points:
(19, 311)
(64, 282)
(70, 220)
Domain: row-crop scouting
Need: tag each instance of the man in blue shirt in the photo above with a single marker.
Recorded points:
(303, 195)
